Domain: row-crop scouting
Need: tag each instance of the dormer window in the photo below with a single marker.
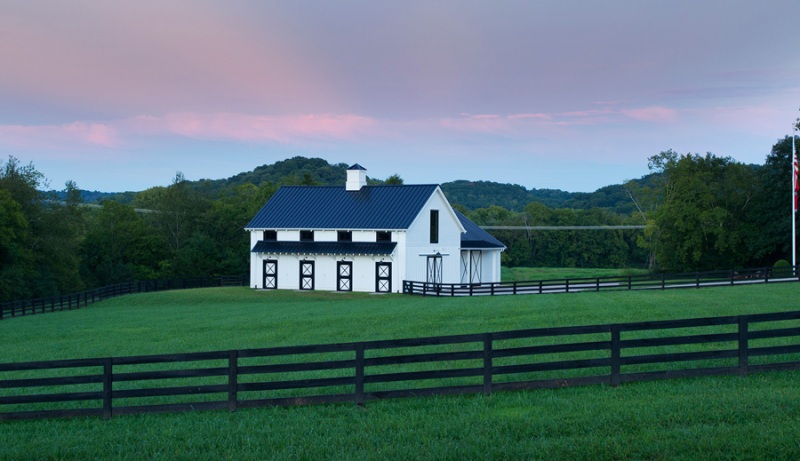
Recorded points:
(306, 236)
(382, 236)
(344, 236)
(270, 235)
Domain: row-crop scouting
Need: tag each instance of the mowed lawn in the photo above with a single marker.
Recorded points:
(754, 417)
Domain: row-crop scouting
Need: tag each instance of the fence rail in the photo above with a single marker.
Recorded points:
(84, 298)
(662, 281)
(358, 372)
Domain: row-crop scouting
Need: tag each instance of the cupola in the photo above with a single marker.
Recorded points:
(356, 178)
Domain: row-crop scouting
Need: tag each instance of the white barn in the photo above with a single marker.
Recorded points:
(366, 238)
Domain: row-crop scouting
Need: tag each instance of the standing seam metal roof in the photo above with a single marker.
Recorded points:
(333, 207)
(475, 237)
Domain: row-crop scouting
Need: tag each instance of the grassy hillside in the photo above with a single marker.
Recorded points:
(754, 417)
(239, 318)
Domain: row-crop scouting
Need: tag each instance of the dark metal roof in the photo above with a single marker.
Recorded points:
(475, 237)
(324, 207)
(357, 167)
(327, 248)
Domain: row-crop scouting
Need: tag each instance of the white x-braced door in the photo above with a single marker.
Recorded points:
(344, 276)
(306, 275)
(270, 281)
(383, 277)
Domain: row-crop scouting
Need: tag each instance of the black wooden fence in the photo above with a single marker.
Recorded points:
(614, 283)
(84, 298)
(358, 372)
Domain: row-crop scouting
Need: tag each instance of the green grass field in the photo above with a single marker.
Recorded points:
(522, 274)
(754, 417)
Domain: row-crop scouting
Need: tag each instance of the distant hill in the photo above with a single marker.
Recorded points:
(469, 194)
(296, 170)
(483, 194)
(614, 197)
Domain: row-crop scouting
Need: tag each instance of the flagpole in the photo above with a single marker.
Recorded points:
(794, 198)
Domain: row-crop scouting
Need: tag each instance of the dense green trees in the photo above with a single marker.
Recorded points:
(38, 236)
(701, 221)
(701, 212)
(559, 247)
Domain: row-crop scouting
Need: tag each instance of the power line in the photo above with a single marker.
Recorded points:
(533, 228)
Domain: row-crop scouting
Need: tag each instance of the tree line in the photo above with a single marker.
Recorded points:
(52, 244)
(700, 212)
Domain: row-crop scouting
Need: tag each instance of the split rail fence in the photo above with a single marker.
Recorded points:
(358, 372)
(84, 298)
(614, 283)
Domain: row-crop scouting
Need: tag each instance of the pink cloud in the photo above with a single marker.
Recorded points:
(654, 114)
(255, 128)
(523, 124)
(74, 134)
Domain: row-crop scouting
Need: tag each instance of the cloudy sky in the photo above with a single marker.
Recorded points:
(573, 95)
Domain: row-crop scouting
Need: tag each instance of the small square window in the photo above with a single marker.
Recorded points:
(270, 235)
(382, 236)
(344, 236)
(306, 236)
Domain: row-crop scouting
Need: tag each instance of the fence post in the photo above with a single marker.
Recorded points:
(359, 378)
(598, 284)
(487, 364)
(697, 280)
(663, 280)
(766, 275)
(630, 282)
(743, 333)
(233, 380)
(567, 285)
(615, 355)
(108, 380)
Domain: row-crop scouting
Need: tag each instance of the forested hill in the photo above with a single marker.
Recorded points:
(483, 194)
(472, 195)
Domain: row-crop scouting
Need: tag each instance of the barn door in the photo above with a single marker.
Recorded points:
(344, 276)
(475, 266)
(383, 277)
(306, 275)
(435, 269)
(270, 281)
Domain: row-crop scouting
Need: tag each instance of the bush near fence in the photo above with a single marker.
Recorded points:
(84, 298)
(358, 372)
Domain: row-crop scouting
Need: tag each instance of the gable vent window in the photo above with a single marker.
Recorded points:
(381, 236)
(434, 226)
(270, 235)
(344, 236)
(306, 236)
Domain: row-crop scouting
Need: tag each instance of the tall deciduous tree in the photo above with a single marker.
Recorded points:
(771, 213)
(43, 256)
(701, 224)
(120, 246)
(16, 260)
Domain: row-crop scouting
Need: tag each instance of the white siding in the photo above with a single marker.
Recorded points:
(418, 245)
(409, 261)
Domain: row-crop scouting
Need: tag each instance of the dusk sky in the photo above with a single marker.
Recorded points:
(571, 95)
